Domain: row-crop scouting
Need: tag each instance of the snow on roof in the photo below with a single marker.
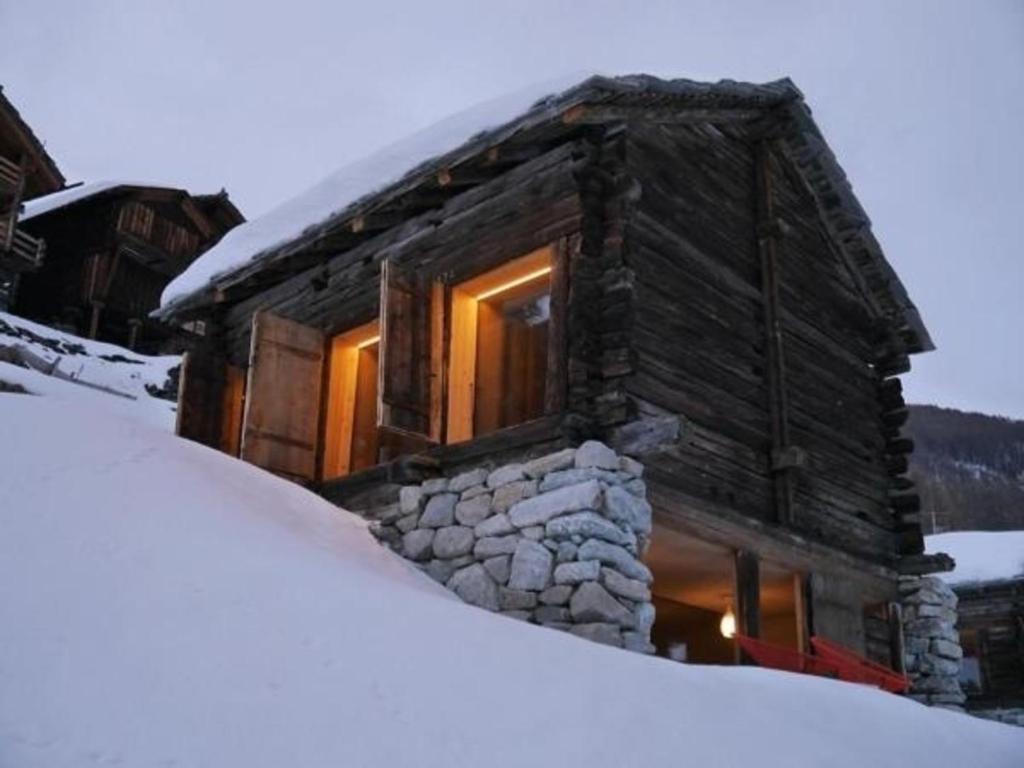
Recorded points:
(164, 604)
(980, 555)
(65, 197)
(353, 182)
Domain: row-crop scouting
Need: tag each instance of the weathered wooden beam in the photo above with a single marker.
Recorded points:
(748, 595)
(778, 406)
(582, 114)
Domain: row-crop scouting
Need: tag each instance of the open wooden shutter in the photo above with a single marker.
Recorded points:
(201, 386)
(411, 367)
(282, 406)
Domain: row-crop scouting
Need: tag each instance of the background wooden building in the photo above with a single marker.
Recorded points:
(679, 269)
(112, 247)
(991, 624)
(26, 171)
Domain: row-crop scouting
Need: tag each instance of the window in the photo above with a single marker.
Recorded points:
(498, 358)
(350, 418)
(970, 666)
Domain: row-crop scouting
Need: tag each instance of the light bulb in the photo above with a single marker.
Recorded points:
(728, 624)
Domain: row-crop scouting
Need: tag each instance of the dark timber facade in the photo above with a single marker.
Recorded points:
(111, 252)
(715, 306)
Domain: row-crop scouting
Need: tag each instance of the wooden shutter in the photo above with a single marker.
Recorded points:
(201, 386)
(411, 366)
(282, 406)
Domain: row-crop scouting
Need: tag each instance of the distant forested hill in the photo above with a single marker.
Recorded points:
(969, 469)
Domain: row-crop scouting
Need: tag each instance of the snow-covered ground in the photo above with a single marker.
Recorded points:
(980, 555)
(93, 362)
(163, 604)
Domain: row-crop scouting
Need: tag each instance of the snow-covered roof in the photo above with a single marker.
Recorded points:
(65, 197)
(980, 555)
(343, 190)
(344, 194)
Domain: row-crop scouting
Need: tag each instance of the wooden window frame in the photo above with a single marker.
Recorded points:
(461, 342)
(340, 393)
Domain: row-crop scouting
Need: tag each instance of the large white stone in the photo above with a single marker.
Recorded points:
(499, 567)
(531, 566)
(440, 511)
(615, 556)
(574, 573)
(473, 511)
(566, 477)
(629, 510)
(490, 546)
(505, 475)
(506, 496)
(552, 462)
(453, 541)
(435, 485)
(496, 525)
(596, 454)
(467, 480)
(617, 584)
(417, 544)
(592, 603)
(590, 525)
(475, 586)
(410, 499)
(539, 509)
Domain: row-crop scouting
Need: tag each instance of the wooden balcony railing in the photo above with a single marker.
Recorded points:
(11, 178)
(28, 251)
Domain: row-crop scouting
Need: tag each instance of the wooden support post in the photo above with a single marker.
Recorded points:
(94, 320)
(767, 232)
(897, 655)
(748, 596)
(801, 605)
(133, 332)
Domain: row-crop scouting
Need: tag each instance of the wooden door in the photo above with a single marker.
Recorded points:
(282, 406)
(201, 387)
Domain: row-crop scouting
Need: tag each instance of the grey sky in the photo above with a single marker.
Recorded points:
(923, 103)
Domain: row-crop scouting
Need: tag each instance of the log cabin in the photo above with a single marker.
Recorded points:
(678, 269)
(991, 624)
(112, 247)
(26, 171)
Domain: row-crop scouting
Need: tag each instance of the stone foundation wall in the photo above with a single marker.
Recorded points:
(931, 641)
(1010, 716)
(556, 541)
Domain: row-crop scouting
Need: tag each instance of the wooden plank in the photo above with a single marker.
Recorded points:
(748, 595)
(282, 410)
(231, 413)
(558, 330)
(778, 407)
(201, 393)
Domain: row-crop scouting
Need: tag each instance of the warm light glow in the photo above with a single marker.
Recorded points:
(513, 283)
(728, 624)
(368, 343)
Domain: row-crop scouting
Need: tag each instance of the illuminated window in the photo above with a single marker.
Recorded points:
(498, 359)
(350, 428)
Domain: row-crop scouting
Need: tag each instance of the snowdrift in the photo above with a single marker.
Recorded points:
(980, 555)
(163, 604)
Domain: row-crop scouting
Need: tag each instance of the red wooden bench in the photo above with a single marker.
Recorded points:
(828, 660)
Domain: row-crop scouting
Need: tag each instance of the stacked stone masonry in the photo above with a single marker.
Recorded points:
(556, 540)
(931, 641)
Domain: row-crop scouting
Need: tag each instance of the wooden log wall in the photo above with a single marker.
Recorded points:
(994, 613)
(699, 342)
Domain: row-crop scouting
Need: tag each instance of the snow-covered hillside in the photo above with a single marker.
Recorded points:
(163, 604)
(980, 555)
(109, 376)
